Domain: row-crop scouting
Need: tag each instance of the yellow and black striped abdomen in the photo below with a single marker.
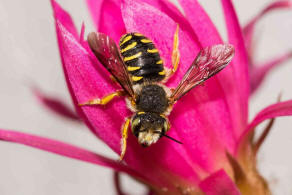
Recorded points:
(141, 58)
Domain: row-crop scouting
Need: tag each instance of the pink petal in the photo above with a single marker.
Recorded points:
(272, 111)
(82, 31)
(173, 12)
(169, 157)
(87, 79)
(64, 18)
(248, 29)
(107, 17)
(239, 63)
(259, 72)
(207, 35)
(193, 118)
(219, 183)
(64, 149)
(202, 25)
(56, 105)
(95, 10)
(166, 7)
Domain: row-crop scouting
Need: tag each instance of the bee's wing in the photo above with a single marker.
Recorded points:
(106, 50)
(209, 61)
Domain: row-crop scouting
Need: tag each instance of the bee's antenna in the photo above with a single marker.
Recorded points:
(171, 138)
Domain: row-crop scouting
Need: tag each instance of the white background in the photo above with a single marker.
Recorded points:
(29, 55)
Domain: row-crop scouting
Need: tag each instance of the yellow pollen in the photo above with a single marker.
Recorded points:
(162, 72)
(135, 78)
(131, 46)
(148, 138)
(132, 57)
(146, 41)
(159, 62)
(152, 50)
(125, 39)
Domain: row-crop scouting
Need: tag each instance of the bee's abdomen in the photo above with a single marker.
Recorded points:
(141, 58)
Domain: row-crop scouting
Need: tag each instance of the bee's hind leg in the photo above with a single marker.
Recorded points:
(103, 101)
(125, 129)
(175, 57)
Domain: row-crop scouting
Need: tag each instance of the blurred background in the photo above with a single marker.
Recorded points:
(29, 55)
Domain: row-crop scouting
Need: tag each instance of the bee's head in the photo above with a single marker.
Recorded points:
(149, 127)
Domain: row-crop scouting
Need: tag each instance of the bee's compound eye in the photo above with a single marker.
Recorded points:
(136, 122)
(165, 126)
(136, 126)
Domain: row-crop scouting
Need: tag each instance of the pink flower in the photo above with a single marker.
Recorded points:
(218, 155)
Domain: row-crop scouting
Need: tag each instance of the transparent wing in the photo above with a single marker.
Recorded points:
(209, 61)
(105, 49)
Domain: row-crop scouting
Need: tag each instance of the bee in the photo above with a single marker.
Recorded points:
(138, 68)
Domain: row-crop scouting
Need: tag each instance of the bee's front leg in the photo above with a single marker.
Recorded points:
(103, 101)
(125, 129)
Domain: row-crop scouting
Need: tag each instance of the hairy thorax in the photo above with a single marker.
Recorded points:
(152, 98)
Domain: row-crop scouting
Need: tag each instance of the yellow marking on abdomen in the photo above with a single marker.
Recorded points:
(162, 72)
(159, 62)
(135, 78)
(146, 41)
(133, 56)
(122, 37)
(141, 113)
(138, 34)
(133, 68)
(131, 46)
(152, 50)
(127, 38)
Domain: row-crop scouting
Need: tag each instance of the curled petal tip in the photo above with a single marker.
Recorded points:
(272, 111)
(56, 105)
(82, 31)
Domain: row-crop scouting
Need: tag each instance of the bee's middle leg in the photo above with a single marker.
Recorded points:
(103, 101)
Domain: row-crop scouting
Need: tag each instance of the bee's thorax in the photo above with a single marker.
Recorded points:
(152, 98)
